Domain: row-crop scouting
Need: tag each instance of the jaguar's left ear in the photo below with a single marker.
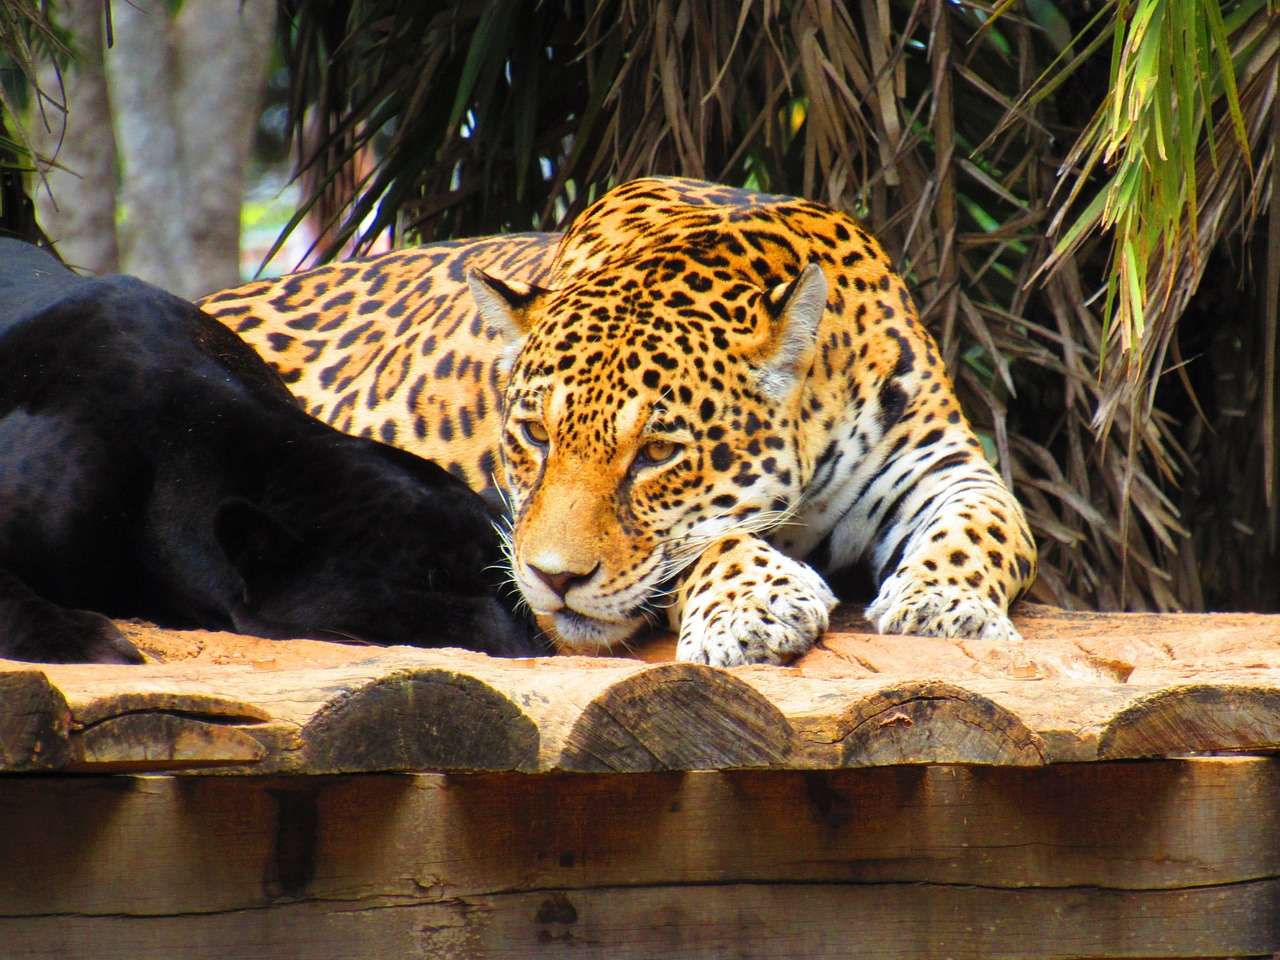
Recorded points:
(795, 309)
(504, 306)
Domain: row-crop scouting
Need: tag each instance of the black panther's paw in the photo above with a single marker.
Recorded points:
(104, 643)
(70, 636)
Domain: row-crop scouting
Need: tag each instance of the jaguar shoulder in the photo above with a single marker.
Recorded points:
(697, 401)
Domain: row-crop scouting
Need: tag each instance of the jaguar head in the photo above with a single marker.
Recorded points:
(647, 413)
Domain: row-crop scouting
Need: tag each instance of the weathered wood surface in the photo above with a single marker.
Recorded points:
(1156, 859)
(1092, 687)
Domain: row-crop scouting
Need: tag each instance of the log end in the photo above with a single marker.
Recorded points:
(162, 741)
(34, 723)
(420, 719)
(932, 722)
(677, 716)
(1196, 718)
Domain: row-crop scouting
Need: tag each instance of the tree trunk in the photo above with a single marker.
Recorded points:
(186, 94)
(221, 57)
(153, 236)
(76, 205)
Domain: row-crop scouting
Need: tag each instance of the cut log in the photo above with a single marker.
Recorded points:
(929, 722)
(34, 722)
(420, 720)
(678, 716)
(1106, 686)
(161, 741)
(1195, 719)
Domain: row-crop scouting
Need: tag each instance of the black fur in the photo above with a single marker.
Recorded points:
(151, 465)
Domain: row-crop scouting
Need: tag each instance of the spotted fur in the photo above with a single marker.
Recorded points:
(695, 399)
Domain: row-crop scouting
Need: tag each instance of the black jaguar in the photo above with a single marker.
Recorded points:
(151, 465)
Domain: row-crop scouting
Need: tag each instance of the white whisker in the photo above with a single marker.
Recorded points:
(506, 546)
(682, 550)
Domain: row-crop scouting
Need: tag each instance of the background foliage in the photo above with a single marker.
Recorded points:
(1081, 193)
(27, 36)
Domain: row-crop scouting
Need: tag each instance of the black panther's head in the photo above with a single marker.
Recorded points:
(357, 540)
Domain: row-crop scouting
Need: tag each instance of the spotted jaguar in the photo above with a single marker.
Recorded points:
(695, 402)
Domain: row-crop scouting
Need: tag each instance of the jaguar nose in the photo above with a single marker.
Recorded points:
(562, 582)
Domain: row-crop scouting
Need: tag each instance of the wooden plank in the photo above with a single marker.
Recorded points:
(404, 710)
(163, 846)
(722, 922)
(1084, 647)
(1142, 649)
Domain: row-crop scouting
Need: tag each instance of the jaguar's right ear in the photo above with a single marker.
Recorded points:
(504, 306)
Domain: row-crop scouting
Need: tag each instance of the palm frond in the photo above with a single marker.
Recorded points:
(28, 36)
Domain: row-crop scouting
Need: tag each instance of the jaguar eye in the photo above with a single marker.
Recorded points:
(535, 432)
(657, 452)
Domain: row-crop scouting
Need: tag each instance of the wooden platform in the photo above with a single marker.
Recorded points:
(1088, 687)
(885, 797)
(1156, 859)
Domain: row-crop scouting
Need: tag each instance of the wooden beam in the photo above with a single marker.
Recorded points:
(1140, 859)
(721, 922)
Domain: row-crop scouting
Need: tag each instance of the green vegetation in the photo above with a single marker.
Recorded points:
(27, 35)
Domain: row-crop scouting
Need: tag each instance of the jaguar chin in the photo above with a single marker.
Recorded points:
(575, 632)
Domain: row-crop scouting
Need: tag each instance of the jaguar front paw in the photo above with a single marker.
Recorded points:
(908, 606)
(752, 604)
